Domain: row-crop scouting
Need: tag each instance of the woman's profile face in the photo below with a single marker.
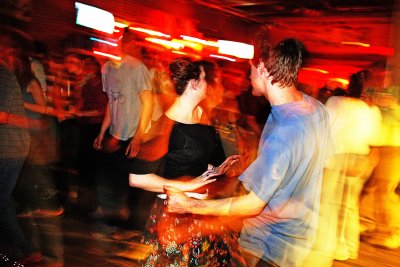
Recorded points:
(202, 86)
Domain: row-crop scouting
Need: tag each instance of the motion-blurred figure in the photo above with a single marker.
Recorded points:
(14, 147)
(183, 146)
(89, 109)
(284, 182)
(382, 226)
(355, 128)
(127, 116)
(36, 188)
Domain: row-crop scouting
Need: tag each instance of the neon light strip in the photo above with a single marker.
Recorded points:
(151, 32)
(165, 43)
(317, 70)
(179, 52)
(201, 41)
(223, 57)
(120, 24)
(341, 80)
(194, 45)
(356, 43)
(106, 55)
(103, 41)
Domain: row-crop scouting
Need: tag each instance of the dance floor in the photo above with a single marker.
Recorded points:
(83, 246)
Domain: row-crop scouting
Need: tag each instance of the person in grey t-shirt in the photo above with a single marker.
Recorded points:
(128, 113)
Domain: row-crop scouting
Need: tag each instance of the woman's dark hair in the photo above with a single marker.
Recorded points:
(283, 61)
(211, 70)
(357, 83)
(182, 70)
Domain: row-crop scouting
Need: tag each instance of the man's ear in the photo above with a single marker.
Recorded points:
(261, 68)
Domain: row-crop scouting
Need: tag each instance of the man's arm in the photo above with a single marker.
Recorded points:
(243, 206)
(146, 98)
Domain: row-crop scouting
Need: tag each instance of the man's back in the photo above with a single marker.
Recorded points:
(287, 176)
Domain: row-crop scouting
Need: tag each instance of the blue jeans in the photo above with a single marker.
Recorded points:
(9, 227)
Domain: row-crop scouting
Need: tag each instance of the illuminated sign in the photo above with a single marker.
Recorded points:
(95, 18)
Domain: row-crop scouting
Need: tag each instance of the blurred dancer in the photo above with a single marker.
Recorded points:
(14, 147)
(127, 116)
(383, 224)
(284, 181)
(183, 147)
(90, 105)
(36, 186)
(355, 128)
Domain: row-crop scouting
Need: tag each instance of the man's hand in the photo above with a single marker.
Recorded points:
(98, 142)
(177, 201)
(133, 148)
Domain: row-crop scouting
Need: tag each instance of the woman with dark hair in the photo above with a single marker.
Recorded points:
(184, 148)
(215, 90)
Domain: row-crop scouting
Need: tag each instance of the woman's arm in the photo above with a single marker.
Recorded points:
(154, 183)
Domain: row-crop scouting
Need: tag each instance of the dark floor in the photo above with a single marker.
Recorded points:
(85, 247)
(75, 240)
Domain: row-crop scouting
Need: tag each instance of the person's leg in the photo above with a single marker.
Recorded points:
(387, 201)
(26, 191)
(87, 164)
(9, 226)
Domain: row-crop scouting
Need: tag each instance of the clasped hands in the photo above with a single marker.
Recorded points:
(179, 202)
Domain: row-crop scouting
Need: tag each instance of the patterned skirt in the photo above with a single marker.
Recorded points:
(188, 240)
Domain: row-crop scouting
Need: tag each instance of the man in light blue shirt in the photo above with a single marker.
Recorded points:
(284, 182)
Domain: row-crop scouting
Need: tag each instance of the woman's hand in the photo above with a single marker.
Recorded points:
(224, 167)
(195, 183)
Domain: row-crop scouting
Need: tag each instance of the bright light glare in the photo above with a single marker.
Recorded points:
(95, 18)
(240, 50)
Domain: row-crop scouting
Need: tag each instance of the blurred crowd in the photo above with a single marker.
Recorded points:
(72, 125)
